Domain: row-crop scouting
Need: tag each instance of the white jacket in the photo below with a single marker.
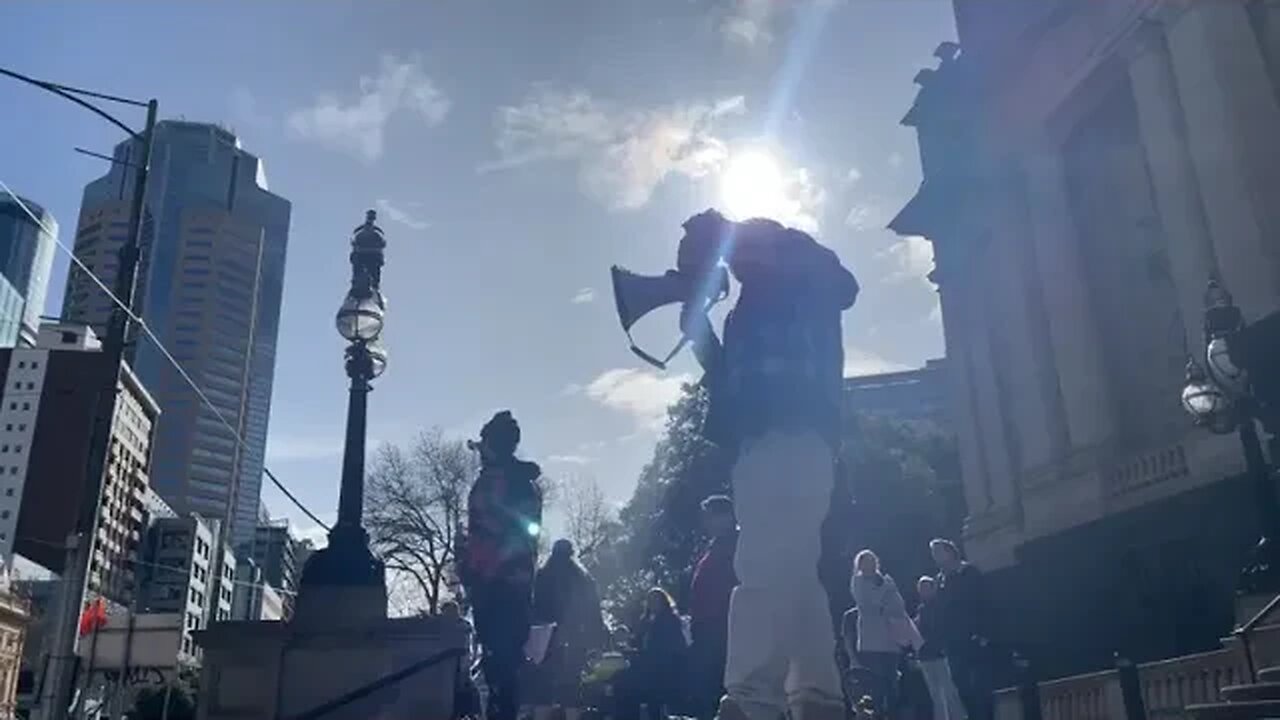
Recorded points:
(882, 616)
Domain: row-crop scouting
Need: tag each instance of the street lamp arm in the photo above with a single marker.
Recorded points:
(66, 93)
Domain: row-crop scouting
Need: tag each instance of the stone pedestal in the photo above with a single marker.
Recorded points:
(278, 670)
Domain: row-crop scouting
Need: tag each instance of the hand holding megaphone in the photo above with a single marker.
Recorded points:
(697, 291)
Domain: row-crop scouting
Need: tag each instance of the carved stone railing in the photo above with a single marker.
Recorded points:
(1168, 686)
(1143, 471)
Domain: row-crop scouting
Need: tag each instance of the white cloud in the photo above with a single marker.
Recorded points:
(570, 459)
(757, 23)
(400, 215)
(583, 296)
(750, 22)
(802, 200)
(862, 362)
(621, 154)
(865, 215)
(316, 534)
(357, 125)
(913, 260)
(853, 176)
(896, 160)
(642, 394)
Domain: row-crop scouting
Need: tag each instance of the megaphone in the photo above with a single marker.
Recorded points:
(637, 295)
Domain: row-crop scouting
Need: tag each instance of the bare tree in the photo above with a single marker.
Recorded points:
(590, 521)
(417, 508)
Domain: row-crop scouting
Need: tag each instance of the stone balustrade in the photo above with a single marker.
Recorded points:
(1168, 686)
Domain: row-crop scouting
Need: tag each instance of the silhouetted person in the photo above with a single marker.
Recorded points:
(965, 627)
(565, 594)
(775, 390)
(709, 596)
(943, 693)
(656, 674)
(504, 517)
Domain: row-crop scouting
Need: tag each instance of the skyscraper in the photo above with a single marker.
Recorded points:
(209, 286)
(26, 256)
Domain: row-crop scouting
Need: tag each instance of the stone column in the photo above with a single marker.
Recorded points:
(1232, 118)
(1073, 332)
(992, 423)
(1015, 313)
(973, 470)
(1173, 177)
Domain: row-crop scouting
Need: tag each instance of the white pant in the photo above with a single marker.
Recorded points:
(781, 641)
(942, 690)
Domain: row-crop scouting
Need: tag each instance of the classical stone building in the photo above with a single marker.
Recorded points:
(14, 614)
(1088, 166)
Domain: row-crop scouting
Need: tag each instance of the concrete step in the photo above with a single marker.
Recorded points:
(1269, 674)
(1255, 710)
(1246, 693)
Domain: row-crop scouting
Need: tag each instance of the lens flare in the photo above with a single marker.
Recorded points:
(752, 185)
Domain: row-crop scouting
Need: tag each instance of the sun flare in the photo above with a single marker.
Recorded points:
(752, 185)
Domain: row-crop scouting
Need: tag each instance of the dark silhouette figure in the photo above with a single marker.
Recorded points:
(709, 594)
(504, 513)
(566, 595)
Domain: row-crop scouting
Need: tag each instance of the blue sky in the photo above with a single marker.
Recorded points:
(515, 150)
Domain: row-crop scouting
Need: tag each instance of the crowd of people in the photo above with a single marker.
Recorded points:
(757, 642)
(930, 664)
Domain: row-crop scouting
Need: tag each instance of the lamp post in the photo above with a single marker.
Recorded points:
(60, 671)
(1233, 392)
(346, 561)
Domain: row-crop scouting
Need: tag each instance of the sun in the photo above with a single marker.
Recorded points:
(752, 185)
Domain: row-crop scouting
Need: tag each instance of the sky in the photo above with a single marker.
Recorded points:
(514, 150)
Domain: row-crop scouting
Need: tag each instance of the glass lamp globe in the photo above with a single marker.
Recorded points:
(377, 357)
(361, 318)
(1225, 373)
(1202, 399)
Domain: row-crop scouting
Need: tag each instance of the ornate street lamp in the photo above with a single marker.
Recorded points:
(347, 561)
(1234, 395)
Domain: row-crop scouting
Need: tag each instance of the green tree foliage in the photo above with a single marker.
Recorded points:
(149, 703)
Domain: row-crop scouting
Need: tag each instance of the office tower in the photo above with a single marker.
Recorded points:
(26, 256)
(177, 575)
(209, 285)
(47, 395)
(275, 551)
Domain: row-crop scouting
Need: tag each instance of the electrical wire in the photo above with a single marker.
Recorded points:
(146, 330)
(170, 568)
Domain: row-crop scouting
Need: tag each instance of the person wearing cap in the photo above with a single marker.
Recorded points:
(774, 388)
(498, 557)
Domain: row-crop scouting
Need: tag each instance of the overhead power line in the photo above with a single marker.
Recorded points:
(146, 329)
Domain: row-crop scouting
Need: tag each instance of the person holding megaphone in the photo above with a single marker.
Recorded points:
(774, 386)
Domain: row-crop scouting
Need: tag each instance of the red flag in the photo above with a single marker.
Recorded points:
(94, 617)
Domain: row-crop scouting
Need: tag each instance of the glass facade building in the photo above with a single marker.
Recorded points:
(210, 283)
(26, 258)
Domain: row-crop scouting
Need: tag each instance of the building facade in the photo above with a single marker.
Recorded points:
(15, 613)
(1088, 167)
(26, 259)
(47, 397)
(210, 285)
(906, 396)
(254, 598)
(179, 576)
(275, 551)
